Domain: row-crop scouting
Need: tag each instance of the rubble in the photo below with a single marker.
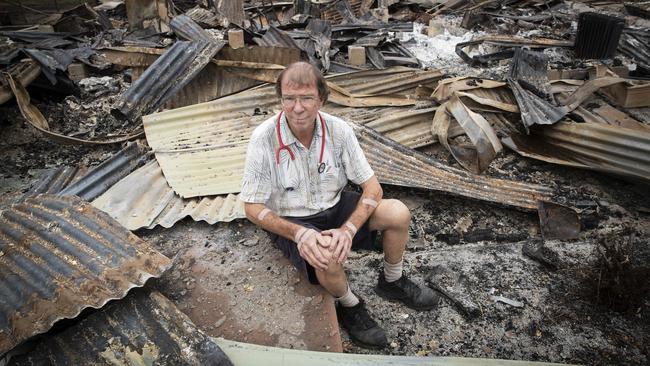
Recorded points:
(143, 109)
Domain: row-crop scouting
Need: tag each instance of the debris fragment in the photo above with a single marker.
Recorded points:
(455, 287)
(505, 300)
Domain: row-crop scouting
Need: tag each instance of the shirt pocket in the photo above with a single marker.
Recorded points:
(331, 178)
(290, 177)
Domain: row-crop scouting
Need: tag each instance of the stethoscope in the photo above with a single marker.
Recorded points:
(321, 165)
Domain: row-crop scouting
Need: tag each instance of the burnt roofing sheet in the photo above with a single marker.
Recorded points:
(143, 329)
(60, 255)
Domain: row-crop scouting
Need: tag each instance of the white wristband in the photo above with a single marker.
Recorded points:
(308, 234)
(263, 214)
(369, 202)
(351, 226)
(299, 234)
(349, 234)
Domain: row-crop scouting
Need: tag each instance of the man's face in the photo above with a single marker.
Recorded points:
(300, 103)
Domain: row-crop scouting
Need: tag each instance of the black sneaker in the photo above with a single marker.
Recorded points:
(404, 290)
(362, 329)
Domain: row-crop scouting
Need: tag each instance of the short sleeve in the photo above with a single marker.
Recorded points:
(356, 165)
(256, 184)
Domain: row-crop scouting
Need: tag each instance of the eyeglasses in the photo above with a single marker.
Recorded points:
(307, 101)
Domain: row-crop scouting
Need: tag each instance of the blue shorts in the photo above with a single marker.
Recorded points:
(331, 218)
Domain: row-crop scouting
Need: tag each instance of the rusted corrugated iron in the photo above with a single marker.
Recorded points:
(144, 13)
(144, 199)
(395, 80)
(233, 10)
(398, 165)
(508, 42)
(214, 80)
(165, 77)
(143, 329)
(109, 172)
(88, 184)
(635, 44)
(601, 147)
(218, 131)
(409, 127)
(335, 13)
(187, 29)
(275, 37)
(54, 180)
(60, 255)
(204, 17)
(173, 136)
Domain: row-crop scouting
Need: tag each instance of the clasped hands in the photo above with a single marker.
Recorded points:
(319, 248)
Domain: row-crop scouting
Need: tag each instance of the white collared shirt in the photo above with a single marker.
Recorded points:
(295, 187)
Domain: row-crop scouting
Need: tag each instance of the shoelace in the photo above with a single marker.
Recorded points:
(408, 286)
(364, 318)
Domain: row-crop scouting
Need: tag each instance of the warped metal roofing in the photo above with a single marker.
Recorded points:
(144, 199)
(394, 80)
(213, 81)
(165, 77)
(97, 180)
(187, 29)
(60, 255)
(399, 165)
(54, 180)
(606, 148)
(143, 329)
(202, 148)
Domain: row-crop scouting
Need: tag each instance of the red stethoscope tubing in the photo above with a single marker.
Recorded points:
(288, 148)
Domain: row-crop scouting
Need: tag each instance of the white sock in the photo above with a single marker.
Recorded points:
(348, 300)
(393, 272)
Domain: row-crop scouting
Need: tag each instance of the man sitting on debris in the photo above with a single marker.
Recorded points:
(297, 164)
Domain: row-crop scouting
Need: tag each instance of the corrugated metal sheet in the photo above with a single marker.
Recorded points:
(233, 10)
(601, 147)
(635, 43)
(144, 199)
(204, 17)
(187, 29)
(333, 14)
(142, 329)
(395, 80)
(398, 165)
(165, 77)
(189, 140)
(109, 172)
(54, 180)
(213, 81)
(276, 37)
(60, 255)
(201, 150)
(409, 127)
(272, 55)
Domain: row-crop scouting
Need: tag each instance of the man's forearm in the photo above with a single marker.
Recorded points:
(261, 216)
(370, 198)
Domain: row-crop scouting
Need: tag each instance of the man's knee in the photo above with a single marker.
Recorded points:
(333, 266)
(400, 215)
